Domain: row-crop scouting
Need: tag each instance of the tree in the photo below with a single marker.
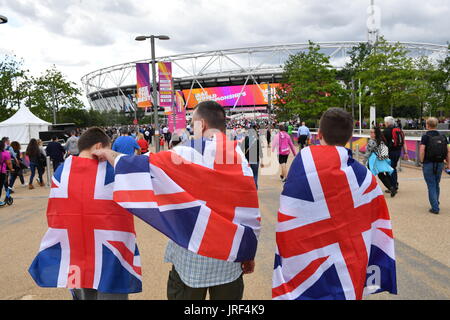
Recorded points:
(14, 84)
(441, 85)
(309, 86)
(50, 90)
(421, 91)
(387, 72)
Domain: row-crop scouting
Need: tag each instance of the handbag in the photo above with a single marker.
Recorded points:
(42, 160)
(382, 152)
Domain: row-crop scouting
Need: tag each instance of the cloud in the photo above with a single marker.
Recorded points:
(81, 36)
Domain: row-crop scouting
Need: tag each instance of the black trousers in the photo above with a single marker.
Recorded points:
(302, 141)
(177, 290)
(386, 179)
(92, 294)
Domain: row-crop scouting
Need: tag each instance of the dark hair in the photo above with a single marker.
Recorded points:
(33, 149)
(16, 146)
(336, 126)
(124, 131)
(378, 135)
(2, 146)
(93, 136)
(282, 127)
(54, 138)
(212, 113)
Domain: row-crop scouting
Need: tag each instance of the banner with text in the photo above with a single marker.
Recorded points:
(165, 86)
(251, 95)
(143, 96)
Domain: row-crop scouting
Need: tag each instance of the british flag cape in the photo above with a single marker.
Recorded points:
(201, 195)
(334, 236)
(91, 241)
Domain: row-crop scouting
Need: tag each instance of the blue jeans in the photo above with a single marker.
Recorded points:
(255, 167)
(432, 173)
(33, 167)
(394, 156)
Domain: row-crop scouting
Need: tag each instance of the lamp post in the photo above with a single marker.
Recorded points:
(154, 91)
(3, 19)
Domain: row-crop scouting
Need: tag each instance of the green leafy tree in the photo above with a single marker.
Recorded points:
(387, 72)
(309, 86)
(50, 90)
(441, 85)
(14, 84)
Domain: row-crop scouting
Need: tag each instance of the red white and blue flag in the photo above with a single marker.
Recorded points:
(91, 241)
(334, 235)
(201, 195)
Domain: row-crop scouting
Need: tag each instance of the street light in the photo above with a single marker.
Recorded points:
(154, 92)
(3, 19)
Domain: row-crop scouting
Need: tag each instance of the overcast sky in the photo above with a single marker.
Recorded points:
(80, 36)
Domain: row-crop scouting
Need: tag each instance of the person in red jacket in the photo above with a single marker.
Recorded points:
(142, 143)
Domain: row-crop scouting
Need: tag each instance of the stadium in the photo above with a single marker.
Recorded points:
(236, 78)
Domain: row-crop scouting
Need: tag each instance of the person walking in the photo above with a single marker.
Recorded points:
(195, 272)
(72, 144)
(126, 144)
(253, 152)
(283, 144)
(18, 165)
(143, 143)
(433, 151)
(395, 141)
(56, 152)
(303, 135)
(268, 137)
(377, 159)
(37, 159)
(5, 164)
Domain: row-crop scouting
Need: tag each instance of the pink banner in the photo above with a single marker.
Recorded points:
(180, 112)
(165, 86)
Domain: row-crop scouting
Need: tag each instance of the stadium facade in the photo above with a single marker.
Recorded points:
(236, 78)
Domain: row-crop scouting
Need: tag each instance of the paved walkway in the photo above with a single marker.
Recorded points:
(422, 244)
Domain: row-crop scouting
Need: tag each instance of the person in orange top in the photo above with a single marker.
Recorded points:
(142, 143)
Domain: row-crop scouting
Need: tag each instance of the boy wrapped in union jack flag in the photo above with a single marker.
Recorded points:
(90, 245)
(334, 235)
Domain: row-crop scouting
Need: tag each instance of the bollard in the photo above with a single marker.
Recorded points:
(417, 160)
(49, 175)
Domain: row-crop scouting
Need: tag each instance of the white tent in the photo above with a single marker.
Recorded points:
(23, 126)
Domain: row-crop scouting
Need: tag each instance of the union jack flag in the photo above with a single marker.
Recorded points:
(91, 241)
(201, 195)
(334, 235)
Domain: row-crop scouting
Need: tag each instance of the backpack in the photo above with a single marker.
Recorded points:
(436, 148)
(398, 137)
(382, 151)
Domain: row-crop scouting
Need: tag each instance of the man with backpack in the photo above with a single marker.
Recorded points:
(433, 151)
(395, 141)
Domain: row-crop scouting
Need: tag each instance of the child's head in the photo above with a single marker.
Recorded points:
(92, 139)
(336, 127)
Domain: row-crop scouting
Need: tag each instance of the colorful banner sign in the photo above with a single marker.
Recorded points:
(165, 86)
(229, 96)
(180, 112)
(143, 96)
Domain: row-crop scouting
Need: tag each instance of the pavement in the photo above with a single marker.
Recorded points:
(422, 243)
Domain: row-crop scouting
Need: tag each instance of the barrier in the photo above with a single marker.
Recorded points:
(412, 145)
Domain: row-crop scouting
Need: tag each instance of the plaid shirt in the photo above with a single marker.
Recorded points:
(198, 271)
